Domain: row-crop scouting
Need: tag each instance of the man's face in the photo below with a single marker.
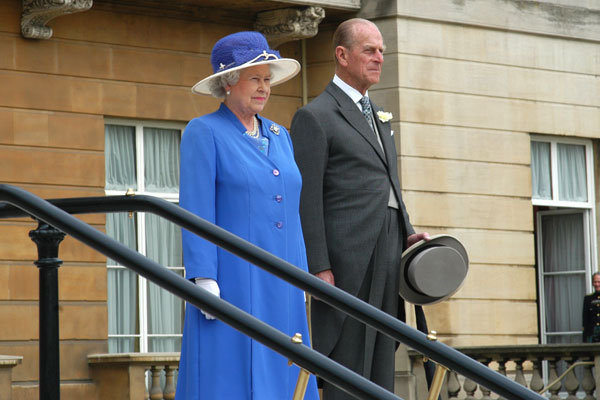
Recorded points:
(363, 60)
(596, 283)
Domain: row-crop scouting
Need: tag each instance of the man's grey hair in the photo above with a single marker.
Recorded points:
(218, 84)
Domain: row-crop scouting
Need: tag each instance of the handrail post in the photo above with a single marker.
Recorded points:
(47, 238)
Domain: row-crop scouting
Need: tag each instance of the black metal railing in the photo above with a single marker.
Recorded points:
(56, 213)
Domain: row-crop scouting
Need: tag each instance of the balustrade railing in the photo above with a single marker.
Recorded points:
(7, 363)
(545, 369)
(148, 376)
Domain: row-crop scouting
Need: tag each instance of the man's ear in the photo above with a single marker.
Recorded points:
(341, 53)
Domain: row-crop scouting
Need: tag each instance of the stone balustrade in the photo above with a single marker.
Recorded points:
(124, 376)
(151, 376)
(7, 363)
(524, 364)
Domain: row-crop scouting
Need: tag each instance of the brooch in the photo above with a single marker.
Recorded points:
(275, 129)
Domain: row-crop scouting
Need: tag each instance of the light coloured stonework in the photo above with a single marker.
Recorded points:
(285, 25)
(37, 13)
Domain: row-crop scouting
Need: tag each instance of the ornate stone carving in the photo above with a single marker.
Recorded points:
(37, 13)
(284, 25)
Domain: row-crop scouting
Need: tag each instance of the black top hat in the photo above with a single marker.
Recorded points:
(433, 270)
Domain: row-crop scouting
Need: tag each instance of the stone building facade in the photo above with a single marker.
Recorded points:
(471, 83)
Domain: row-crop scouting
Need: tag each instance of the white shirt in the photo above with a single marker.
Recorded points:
(354, 94)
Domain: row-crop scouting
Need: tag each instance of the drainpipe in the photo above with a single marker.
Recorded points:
(304, 79)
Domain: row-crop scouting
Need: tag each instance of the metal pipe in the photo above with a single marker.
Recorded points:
(304, 72)
(360, 310)
(576, 364)
(47, 239)
(438, 381)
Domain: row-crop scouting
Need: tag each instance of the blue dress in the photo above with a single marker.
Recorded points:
(227, 180)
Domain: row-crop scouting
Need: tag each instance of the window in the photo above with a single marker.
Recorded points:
(563, 199)
(143, 158)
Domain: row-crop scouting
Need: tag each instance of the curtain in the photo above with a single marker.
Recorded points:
(163, 239)
(122, 288)
(563, 251)
(119, 152)
(540, 170)
(572, 177)
(161, 152)
(165, 311)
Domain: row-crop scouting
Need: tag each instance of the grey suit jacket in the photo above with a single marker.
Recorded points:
(346, 181)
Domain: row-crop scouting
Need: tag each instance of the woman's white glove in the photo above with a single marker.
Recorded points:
(212, 286)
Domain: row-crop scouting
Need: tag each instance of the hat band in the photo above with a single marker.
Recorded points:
(264, 54)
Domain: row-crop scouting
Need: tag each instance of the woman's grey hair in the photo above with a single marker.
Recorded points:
(218, 84)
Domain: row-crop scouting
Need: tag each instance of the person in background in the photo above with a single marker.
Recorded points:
(591, 312)
(238, 171)
(354, 220)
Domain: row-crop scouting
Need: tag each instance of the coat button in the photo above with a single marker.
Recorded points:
(278, 198)
(276, 172)
(279, 224)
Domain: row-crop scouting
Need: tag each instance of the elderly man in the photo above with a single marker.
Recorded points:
(354, 220)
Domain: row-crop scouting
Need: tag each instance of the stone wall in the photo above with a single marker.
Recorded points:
(54, 96)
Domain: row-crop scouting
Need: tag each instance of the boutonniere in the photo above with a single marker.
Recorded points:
(384, 116)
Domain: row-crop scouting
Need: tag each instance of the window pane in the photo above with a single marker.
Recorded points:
(540, 170)
(163, 241)
(563, 254)
(571, 172)
(165, 313)
(122, 288)
(164, 344)
(161, 159)
(122, 302)
(119, 152)
(563, 243)
(563, 299)
(123, 344)
(122, 228)
(163, 244)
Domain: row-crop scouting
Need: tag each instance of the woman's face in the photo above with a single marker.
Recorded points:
(250, 94)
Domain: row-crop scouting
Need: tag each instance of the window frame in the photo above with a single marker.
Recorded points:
(143, 336)
(589, 167)
(559, 206)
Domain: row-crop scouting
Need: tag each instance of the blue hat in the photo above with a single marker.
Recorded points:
(246, 49)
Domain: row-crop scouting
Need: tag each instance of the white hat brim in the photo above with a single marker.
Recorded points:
(408, 292)
(282, 70)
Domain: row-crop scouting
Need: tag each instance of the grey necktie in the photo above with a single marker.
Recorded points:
(367, 111)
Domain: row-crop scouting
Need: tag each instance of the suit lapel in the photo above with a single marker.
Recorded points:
(355, 118)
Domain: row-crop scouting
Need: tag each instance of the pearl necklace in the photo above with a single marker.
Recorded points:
(254, 133)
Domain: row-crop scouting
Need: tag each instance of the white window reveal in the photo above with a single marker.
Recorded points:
(142, 158)
(563, 198)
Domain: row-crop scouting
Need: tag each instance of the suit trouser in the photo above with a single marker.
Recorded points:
(361, 348)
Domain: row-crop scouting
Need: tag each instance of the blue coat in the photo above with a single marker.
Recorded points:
(225, 179)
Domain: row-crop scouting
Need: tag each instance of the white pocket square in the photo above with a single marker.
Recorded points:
(392, 133)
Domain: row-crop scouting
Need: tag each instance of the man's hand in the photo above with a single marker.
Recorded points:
(326, 276)
(415, 237)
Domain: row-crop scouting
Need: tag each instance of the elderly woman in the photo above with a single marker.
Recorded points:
(238, 171)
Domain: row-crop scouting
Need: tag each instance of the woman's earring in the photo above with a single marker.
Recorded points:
(228, 92)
